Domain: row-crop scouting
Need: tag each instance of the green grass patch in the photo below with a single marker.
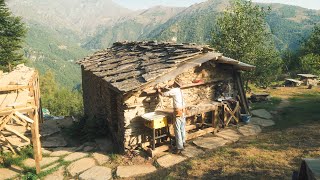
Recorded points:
(303, 109)
(11, 159)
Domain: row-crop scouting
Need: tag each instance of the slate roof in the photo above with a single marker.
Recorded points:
(130, 65)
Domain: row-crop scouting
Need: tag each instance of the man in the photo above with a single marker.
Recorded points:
(179, 115)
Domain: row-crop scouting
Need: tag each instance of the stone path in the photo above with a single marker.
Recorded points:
(86, 166)
(134, 170)
(170, 160)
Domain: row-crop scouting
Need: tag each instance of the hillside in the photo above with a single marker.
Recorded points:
(80, 16)
(133, 27)
(61, 32)
(288, 24)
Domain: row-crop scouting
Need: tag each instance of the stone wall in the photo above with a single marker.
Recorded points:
(140, 103)
(102, 103)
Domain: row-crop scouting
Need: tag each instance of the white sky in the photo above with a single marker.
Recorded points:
(144, 4)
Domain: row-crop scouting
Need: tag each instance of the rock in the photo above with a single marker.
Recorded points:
(96, 173)
(54, 141)
(229, 134)
(45, 151)
(51, 167)
(48, 128)
(44, 162)
(262, 113)
(105, 144)
(210, 142)
(262, 122)
(88, 148)
(249, 130)
(61, 152)
(170, 160)
(134, 170)
(80, 166)
(75, 156)
(100, 158)
(191, 151)
(57, 175)
(80, 148)
(67, 121)
(6, 173)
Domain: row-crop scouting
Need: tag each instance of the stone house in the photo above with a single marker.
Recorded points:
(119, 83)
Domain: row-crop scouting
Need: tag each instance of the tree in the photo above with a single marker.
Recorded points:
(241, 33)
(59, 101)
(12, 33)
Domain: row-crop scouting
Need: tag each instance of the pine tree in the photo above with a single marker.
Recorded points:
(12, 33)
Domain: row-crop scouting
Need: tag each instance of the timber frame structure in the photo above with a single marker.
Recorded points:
(20, 109)
(119, 85)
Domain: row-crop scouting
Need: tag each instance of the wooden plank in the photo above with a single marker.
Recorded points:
(17, 133)
(36, 141)
(199, 133)
(21, 116)
(10, 98)
(190, 127)
(12, 87)
(21, 110)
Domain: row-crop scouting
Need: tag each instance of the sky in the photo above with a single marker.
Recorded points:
(144, 4)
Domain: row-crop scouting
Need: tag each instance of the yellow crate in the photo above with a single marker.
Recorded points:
(156, 123)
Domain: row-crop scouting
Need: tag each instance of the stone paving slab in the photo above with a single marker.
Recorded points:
(6, 173)
(79, 166)
(249, 130)
(262, 122)
(75, 156)
(170, 160)
(134, 170)
(101, 158)
(191, 151)
(57, 175)
(96, 173)
(262, 113)
(62, 152)
(210, 142)
(44, 162)
(229, 134)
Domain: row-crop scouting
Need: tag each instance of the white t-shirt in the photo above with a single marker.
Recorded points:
(177, 97)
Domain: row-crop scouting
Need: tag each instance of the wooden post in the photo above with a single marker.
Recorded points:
(36, 140)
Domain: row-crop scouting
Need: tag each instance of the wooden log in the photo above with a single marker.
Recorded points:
(21, 110)
(190, 127)
(199, 133)
(36, 141)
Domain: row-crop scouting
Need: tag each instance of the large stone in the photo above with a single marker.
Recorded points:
(48, 128)
(192, 151)
(170, 160)
(62, 152)
(96, 173)
(210, 142)
(262, 122)
(44, 162)
(249, 130)
(100, 158)
(79, 166)
(134, 170)
(229, 134)
(57, 175)
(45, 151)
(54, 141)
(6, 173)
(75, 156)
(261, 113)
(105, 144)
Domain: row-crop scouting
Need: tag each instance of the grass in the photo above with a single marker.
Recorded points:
(273, 154)
(268, 105)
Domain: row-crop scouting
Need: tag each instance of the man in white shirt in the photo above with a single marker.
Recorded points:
(179, 115)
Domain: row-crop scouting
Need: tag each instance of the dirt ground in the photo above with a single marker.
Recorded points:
(273, 154)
